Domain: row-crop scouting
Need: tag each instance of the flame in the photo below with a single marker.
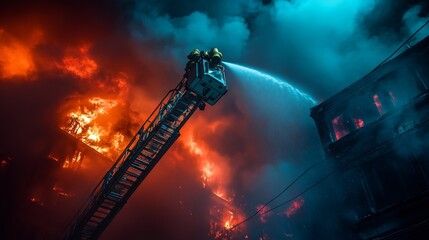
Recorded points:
(229, 222)
(222, 195)
(79, 63)
(207, 173)
(339, 127)
(89, 122)
(294, 207)
(359, 123)
(16, 59)
(215, 177)
(378, 104)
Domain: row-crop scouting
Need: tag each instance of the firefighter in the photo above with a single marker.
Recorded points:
(215, 57)
(193, 57)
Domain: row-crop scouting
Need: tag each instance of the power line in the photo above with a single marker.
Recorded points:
(277, 196)
(406, 41)
(303, 192)
(308, 169)
(287, 201)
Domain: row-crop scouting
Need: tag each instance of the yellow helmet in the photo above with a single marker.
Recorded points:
(215, 56)
(194, 55)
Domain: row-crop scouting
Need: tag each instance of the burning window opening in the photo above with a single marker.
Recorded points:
(378, 104)
(339, 126)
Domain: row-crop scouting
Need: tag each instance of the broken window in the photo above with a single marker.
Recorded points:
(395, 89)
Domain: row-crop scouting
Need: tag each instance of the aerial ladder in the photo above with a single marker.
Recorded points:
(203, 82)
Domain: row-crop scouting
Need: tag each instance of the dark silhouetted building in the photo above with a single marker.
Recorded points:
(376, 133)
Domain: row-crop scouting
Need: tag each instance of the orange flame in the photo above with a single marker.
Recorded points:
(215, 176)
(88, 123)
(229, 222)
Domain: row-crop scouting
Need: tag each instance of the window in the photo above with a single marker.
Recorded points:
(395, 89)
(341, 126)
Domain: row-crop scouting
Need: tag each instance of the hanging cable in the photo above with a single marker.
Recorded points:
(399, 48)
(278, 195)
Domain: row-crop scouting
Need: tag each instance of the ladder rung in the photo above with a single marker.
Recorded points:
(166, 129)
(114, 198)
(133, 174)
(92, 223)
(151, 150)
(160, 137)
(137, 167)
(125, 181)
(104, 210)
(115, 194)
(142, 161)
(144, 156)
(97, 217)
(158, 141)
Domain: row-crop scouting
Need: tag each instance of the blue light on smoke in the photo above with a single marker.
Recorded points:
(256, 74)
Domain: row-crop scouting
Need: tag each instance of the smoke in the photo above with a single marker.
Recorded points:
(261, 135)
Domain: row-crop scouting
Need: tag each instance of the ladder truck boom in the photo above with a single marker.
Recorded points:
(203, 82)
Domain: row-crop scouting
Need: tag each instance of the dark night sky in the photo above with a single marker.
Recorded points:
(259, 136)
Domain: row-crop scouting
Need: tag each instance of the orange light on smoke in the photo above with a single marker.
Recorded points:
(79, 63)
(15, 57)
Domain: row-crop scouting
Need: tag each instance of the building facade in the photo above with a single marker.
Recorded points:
(376, 134)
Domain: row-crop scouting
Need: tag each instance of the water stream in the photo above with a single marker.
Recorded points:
(247, 73)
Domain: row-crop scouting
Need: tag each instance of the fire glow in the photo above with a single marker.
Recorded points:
(87, 122)
(263, 214)
(215, 177)
(294, 207)
(16, 59)
(79, 63)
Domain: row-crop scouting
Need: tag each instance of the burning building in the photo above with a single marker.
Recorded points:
(375, 133)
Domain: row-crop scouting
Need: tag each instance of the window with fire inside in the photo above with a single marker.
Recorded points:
(392, 91)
